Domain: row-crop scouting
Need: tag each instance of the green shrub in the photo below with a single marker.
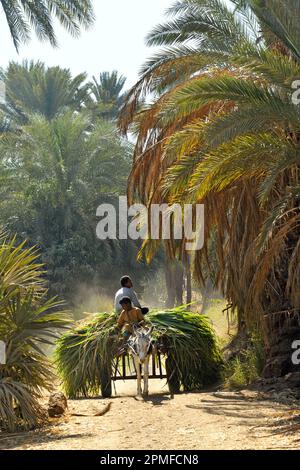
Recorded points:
(246, 367)
(29, 321)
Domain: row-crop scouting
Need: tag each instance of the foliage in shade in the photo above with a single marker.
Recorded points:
(88, 351)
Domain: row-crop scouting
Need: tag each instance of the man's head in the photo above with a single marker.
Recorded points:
(126, 304)
(126, 282)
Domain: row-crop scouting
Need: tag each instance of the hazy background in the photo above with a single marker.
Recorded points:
(116, 41)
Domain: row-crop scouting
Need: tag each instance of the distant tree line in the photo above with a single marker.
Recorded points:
(60, 157)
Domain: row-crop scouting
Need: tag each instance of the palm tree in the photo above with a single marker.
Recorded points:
(65, 160)
(34, 88)
(21, 15)
(28, 321)
(107, 93)
(223, 130)
(54, 175)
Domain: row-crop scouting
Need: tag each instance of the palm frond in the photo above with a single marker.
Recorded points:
(22, 15)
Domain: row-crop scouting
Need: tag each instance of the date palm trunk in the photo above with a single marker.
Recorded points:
(189, 292)
(174, 274)
(282, 323)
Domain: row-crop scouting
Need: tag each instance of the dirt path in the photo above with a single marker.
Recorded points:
(189, 421)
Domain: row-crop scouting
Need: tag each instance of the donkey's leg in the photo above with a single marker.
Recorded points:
(139, 376)
(146, 376)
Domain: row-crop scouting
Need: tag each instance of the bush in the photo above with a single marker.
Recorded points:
(28, 322)
(246, 367)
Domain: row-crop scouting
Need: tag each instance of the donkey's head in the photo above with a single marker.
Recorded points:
(141, 341)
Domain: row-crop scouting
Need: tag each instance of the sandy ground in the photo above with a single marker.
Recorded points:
(189, 421)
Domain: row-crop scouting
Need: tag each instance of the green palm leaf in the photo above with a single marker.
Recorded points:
(22, 15)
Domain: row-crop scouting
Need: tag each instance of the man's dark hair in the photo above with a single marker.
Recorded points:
(125, 300)
(124, 280)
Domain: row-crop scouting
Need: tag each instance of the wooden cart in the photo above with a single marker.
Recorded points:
(160, 367)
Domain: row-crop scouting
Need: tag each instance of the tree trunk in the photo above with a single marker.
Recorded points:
(188, 284)
(170, 302)
(174, 274)
(282, 332)
(282, 318)
(206, 293)
(179, 283)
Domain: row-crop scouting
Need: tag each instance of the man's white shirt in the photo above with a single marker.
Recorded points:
(126, 292)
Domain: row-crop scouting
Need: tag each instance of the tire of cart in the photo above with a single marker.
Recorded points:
(173, 377)
(106, 383)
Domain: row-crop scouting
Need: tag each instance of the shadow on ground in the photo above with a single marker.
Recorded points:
(158, 399)
(256, 414)
(12, 441)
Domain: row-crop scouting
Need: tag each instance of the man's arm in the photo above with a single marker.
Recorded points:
(140, 316)
(121, 321)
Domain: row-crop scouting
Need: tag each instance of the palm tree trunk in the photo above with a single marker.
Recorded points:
(174, 274)
(282, 323)
(179, 283)
(282, 332)
(206, 293)
(170, 302)
(188, 283)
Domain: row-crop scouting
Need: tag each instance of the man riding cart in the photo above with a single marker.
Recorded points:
(127, 290)
(129, 316)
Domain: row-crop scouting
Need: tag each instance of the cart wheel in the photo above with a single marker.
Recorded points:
(105, 383)
(172, 376)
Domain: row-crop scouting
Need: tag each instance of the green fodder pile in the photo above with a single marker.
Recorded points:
(86, 354)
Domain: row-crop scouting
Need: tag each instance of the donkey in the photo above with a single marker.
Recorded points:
(140, 348)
